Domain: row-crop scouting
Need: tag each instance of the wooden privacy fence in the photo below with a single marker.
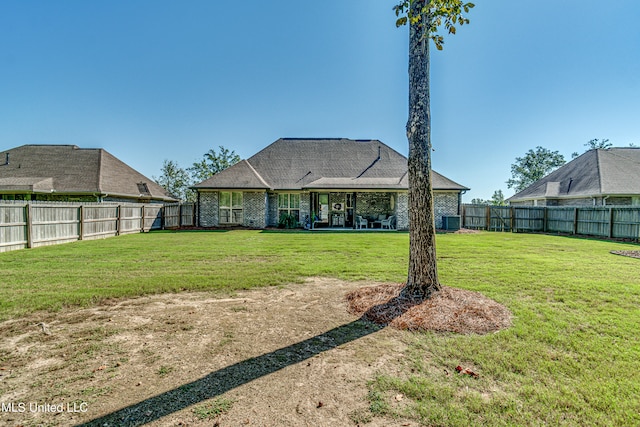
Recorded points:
(33, 224)
(621, 222)
(179, 215)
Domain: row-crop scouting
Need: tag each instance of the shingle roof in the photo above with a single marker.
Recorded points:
(598, 172)
(295, 164)
(68, 169)
(239, 176)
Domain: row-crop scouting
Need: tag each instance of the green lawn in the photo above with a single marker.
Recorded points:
(572, 356)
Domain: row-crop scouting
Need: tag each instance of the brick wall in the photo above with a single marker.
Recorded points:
(402, 211)
(444, 204)
(208, 209)
(571, 202)
(254, 209)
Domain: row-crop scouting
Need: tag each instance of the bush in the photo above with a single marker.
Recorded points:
(287, 221)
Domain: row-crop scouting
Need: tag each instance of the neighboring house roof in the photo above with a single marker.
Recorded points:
(596, 173)
(68, 169)
(316, 164)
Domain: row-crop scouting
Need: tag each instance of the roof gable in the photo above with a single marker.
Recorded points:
(239, 176)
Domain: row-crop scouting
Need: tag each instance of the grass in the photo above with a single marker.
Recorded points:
(211, 410)
(571, 358)
(163, 371)
(88, 272)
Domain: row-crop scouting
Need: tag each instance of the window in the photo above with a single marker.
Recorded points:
(143, 188)
(289, 204)
(230, 205)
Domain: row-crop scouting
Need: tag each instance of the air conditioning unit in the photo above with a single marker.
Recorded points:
(451, 222)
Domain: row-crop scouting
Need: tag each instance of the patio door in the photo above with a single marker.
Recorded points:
(320, 208)
(350, 207)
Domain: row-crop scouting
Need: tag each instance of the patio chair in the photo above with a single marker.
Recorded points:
(388, 222)
(361, 222)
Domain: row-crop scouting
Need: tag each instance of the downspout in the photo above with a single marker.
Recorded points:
(460, 201)
(604, 200)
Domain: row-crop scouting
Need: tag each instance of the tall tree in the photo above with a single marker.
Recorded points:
(498, 198)
(479, 201)
(594, 144)
(533, 166)
(213, 162)
(598, 143)
(175, 180)
(424, 17)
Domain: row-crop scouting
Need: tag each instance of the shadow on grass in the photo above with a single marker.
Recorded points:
(225, 379)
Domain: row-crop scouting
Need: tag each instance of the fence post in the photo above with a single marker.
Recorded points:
(575, 220)
(545, 219)
(488, 220)
(462, 215)
(80, 223)
(513, 219)
(29, 224)
(142, 219)
(119, 220)
(610, 222)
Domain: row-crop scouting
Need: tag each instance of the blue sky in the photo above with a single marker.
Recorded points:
(155, 80)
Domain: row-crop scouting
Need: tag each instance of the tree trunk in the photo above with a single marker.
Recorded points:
(422, 280)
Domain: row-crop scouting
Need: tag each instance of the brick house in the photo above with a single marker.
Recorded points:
(323, 183)
(67, 173)
(598, 177)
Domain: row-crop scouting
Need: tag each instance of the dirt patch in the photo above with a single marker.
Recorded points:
(632, 254)
(287, 356)
(467, 231)
(459, 231)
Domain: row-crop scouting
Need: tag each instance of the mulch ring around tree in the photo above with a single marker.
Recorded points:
(632, 254)
(450, 310)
